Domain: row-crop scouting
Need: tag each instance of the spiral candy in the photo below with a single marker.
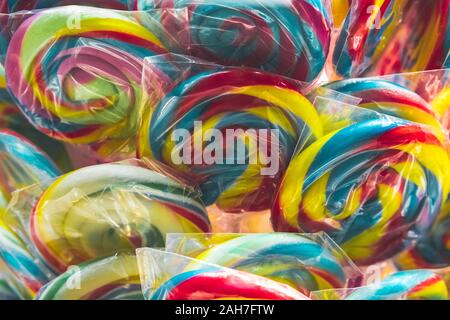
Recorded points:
(390, 98)
(89, 89)
(369, 185)
(404, 285)
(217, 284)
(288, 37)
(113, 278)
(387, 36)
(288, 258)
(101, 210)
(270, 111)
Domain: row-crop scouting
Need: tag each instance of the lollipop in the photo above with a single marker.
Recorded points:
(288, 37)
(387, 36)
(76, 72)
(17, 5)
(371, 186)
(288, 258)
(239, 129)
(101, 210)
(390, 98)
(218, 284)
(21, 163)
(113, 278)
(431, 250)
(405, 285)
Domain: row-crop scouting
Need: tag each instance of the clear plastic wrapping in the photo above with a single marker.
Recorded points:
(375, 184)
(288, 37)
(102, 210)
(306, 262)
(112, 278)
(390, 36)
(169, 276)
(405, 285)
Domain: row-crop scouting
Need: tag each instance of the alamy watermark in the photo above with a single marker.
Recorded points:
(259, 147)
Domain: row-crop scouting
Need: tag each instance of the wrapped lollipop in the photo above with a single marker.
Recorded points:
(373, 185)
(288, 37)
(112, 278)
(8, 6)
(231, 131)
(100, 210)
(305, 262)
(405, 285)
(89, 90)
(388, 36)
(167, 276)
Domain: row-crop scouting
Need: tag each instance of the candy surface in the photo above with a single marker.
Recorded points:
(288, 258)
(76, 72)
(405, 285)
(113, 278)
(387, 36)
(288, 37)
(370, 186)
(232, 132)
(101, 210)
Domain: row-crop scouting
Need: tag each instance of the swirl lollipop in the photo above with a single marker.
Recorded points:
(288, 37)
(387, 36)
(218, 284)
(113, 278)
(238, 130)
(288, 258)
(76, 72)
(369, 185)
(405, 285)
(18, 5)
(101, 210)
(390, 98)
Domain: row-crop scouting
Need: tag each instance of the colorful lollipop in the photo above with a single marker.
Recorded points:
(18, 5)
(288, 258)
(288, 37)
(390, 98)
(101, 210)
(218, 284)
(76, 72)
(405, 285)
(232, 132)
(113, 278)
(387, 36)
(372, 186)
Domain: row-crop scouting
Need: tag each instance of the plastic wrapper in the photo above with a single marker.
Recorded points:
(288, 37)
(98, 211)
(112, 278)
(232, 131)
(405, 285)
(373, 182)
(169, 276)
(389, 36)
(89, 90)
(9, 6)
(7, 291)
(306, 262)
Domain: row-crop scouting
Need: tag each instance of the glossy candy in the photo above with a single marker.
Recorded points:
(388, 36)
(288, 37)
(76, 72)
(18, 5)
(217, 284)
(113, 278)
(288, 258)
(210, 103)
(404, 285)
(371, 186)
(390, 98)
(101, 210)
